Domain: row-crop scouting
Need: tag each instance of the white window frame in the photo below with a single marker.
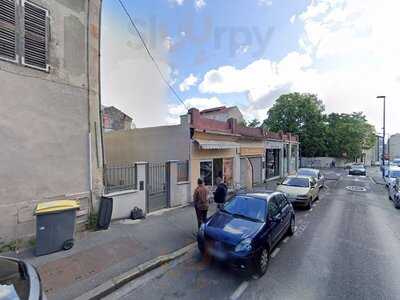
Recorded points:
(47, 69)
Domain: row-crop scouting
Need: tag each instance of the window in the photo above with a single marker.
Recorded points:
(273, 207)
(282, 201)
(247, 207)
(24, 40)
(8, 30)
(296, 182)
(272, 157)
(206, 172)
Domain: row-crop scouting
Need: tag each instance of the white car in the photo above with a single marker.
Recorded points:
(391, 174)
(313, 173)
(394, 193)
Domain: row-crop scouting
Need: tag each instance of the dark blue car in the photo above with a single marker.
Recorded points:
(246, 230)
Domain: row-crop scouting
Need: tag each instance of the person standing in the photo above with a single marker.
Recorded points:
(220, 192)
(200, 199)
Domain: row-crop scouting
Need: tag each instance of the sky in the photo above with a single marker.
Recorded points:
(249, 52)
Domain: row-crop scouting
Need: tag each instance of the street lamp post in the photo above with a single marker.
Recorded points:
(384, 129)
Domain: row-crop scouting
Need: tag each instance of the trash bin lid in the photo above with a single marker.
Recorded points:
(56, 206)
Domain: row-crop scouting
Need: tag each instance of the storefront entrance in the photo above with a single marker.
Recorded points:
(217, 167)
(272, 163)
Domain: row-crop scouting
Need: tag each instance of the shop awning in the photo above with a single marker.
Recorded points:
(208, 144)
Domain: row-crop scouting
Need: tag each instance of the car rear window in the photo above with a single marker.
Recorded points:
(307, 173)
(296, 182)
(394, 174)
(14, 284)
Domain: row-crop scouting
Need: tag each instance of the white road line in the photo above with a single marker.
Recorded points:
(275, 253)
(239, 291)
(286, 239)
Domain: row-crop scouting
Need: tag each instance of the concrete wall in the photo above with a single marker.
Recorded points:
(322, 162)
(155, 144)
(44, 127)
(394, 146)
(125, 201)
(224, 115)
(179, 191)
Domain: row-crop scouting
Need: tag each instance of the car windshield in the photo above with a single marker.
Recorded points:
(296, 182)
(305, 172)
(394, 174)
(247, 207)
(358, 167)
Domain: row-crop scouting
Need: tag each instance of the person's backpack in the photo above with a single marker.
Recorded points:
(137, 213)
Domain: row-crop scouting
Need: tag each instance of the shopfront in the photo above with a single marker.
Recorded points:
(211, 169)
(274, 154)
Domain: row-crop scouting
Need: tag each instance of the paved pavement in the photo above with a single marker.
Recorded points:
(345, 248)
(100, 256)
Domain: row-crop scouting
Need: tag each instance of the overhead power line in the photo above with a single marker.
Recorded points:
(150, 54)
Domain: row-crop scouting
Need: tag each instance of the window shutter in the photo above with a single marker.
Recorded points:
(35, 36)
(8, 30)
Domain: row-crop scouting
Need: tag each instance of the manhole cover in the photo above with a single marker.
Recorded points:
(356, 188)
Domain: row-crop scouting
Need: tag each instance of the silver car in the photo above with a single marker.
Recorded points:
(319, 177)
(19, 280)
(390, 175)
(394, 193)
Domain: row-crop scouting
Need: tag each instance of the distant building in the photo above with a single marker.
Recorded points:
(223, 113)
(394, 146)
(114, 119)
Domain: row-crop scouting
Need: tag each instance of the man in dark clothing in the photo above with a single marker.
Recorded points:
(200, 199)
(220, 192)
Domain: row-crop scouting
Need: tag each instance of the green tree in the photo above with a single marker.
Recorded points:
(348, 134)
(254, 123)
(300, 114)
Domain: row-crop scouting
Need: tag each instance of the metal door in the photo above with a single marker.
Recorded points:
(157, 187)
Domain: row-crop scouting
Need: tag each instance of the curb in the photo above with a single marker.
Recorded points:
(118, 281)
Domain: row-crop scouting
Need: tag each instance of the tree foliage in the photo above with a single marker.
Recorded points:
(338, 135)
(254, 123)
(300, 114)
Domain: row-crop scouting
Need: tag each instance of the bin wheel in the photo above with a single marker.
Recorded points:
(68, 244)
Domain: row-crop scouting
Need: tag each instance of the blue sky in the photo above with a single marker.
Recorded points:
(247, 53)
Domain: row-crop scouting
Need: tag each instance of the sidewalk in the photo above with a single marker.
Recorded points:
(376, 174)
(100, 256)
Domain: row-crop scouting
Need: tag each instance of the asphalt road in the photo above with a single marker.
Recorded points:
(347, 247)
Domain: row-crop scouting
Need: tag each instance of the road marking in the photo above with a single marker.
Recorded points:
(286, 239)
(275, 253)
(239, 291)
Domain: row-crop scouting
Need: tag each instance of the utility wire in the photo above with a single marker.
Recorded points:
(151, 55)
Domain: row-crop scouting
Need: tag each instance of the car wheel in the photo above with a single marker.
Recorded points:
(309, 204)
(292, 226)
(262, 262)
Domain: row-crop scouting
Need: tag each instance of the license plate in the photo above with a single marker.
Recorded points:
(217, 251)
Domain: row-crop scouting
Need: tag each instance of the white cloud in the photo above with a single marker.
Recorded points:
(189, 81)
(265, 2)
(130, 80)
(179, 2)
(257, 79)
(199, 3)
(176, 110)
(293, 19)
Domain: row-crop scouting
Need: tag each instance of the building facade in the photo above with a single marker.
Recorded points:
(394, 146)
(242, 156)
(50, 126)
(114, 119)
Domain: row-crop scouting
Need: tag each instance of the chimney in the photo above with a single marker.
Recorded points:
(194, 116)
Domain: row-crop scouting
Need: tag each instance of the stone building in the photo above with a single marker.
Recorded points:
(50, 126)
(394, 146)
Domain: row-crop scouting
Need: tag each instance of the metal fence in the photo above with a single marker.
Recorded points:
(120, 178)
(183, 171)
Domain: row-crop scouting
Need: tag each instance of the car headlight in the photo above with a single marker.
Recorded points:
(244, 245)
(202, 230)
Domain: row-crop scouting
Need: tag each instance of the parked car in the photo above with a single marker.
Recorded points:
(391, 174)
(394, 193)
(358, 170)
(313, 173)
(300, 190)
(396, 162)
(245, 231)
(19, 280)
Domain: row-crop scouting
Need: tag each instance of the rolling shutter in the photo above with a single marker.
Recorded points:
(8, 30)
(35, 36)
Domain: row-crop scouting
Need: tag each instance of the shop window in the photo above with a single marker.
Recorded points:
(206, 172)
(218, 170)
(228, 171)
